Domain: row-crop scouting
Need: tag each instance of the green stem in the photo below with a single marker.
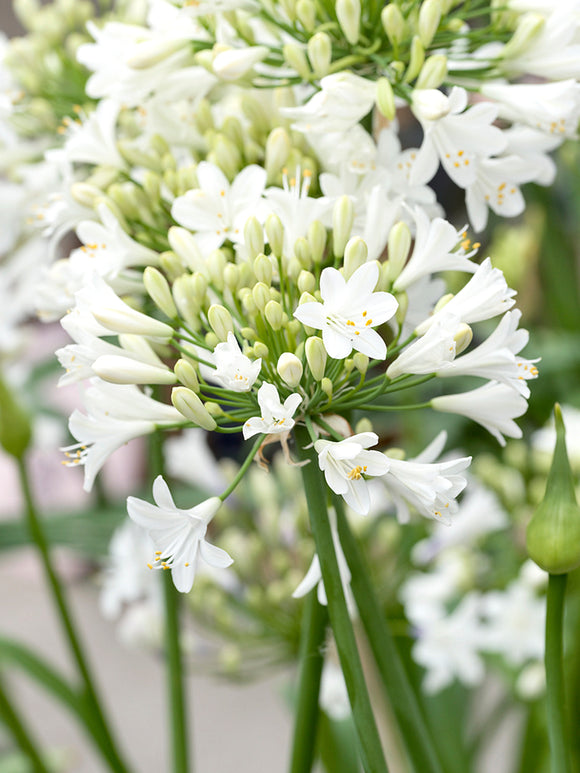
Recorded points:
(177, 699)
(311, 661)
(555, 697)
(243, 469)
(20, 733)
(371, 749)
(100, 728)
(397, 686)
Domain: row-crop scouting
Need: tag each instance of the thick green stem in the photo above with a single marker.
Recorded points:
(371, 750)
(397, 686)
(99, 726)
(176, 686)
(20, 733)
(311, 662)
(555, 697)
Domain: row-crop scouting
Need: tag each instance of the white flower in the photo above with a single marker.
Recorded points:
(347, 463)
(494, 406)
(233, 64)
(216, 210)
(233, 370)
(178, 535)
(429, 352)
(94, 141)
(276, 417)
(454, 136)
(115, 415)
(496, 357)
(485, 296)
(349, 311)
(343, 100)
(313, 576)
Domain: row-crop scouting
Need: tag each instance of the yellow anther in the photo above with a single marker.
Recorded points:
(355, 473)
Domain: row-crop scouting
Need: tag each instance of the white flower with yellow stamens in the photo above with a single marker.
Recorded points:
(349, 312)
(276, 416)
(346, 465)
(233, 370)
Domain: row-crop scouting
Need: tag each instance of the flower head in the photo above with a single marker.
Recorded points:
(276, 416)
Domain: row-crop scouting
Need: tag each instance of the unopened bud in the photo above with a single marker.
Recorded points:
(86, 195)
(261, 351)
(214, 409)
(361, 362)
(232, 277)
(220, 321)
(342, 222)
(306, 282)
(216, 264)
(317, 240)
(348, 15)
(189, 405)
(261, 295)
(289, 369)
(186, 302)
(393, 23)
(15, 426)
(355, 254)
(117, 369)
(171, 264)
(433, 72)
(275, 315)
(302, 252)
(158, 289)
(463, 337)
(529, 25)
(151, 52)
(306, 14)
(275, 233)
(263, 269)
(316, 357)
(296, 58)
(386, 98)
(183, 243)
(416, 59)
(429, 18)
(399, 244)
(320, 53)
(326, 386)
(253, 237)
(363, 425)
(187, 374)
(443, 301)
(278, 148)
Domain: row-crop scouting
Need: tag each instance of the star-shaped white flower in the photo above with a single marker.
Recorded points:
(347, 463)
(233, 370)
(178, 535)
(276, 416)
(349, 311)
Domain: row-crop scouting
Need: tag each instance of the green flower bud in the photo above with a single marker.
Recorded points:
(214, 409)
(247, 299)
(393, 23)
(320, 53)
(263, 269)
(261, 350)
(326, 386)
(342, 221)
(363, 425)
(296, 58)
(190, 406)
(416, 60)
(253, 237)
(216, 263)
(386, 98)
(278, 148)
(226, 155)
(275, 233)
(401, 312)
(429, 18)
(186, 302)
(211, 340)
(183, 243)
(86, 195)
(361, 362)
(232, 128)
(256, 112)
(187, 374)
(232, 277)
(306, 14)
(399, 245)
(15, 427)
(290, 369)
(463, 337)
(529, 25)
(317, 240)
(220, 321)
(303, 253)
(433, 72)
(248, 333)
(553, 534)
(348, 14)
(158, 288)
(261, 295)
(306, 282)
(355, 254)
(316, 356)
(275, 315)
(443, 301)
(171, 265)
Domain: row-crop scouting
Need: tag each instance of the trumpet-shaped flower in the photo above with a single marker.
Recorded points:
(349, 311)
(276, 416)
(178, 535)
(346, 465)
(429, 352)
(233, 370)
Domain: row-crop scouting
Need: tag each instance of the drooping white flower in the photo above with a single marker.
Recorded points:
(347, 463)
(115, 415)
(276, 416)
(349, 311)
(429, 352)
(485, 296)
(494, 406)
(496, 357)
(233, 370)
(217, 211)
(178, 535)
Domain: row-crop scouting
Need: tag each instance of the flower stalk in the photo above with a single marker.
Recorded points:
(20, 733)
(555, 694)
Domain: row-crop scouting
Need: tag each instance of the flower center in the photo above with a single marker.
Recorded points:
(357, 472)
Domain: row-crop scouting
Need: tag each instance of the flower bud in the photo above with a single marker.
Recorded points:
(429, 18)
(433, 72)
(290, 369)
(355, 254)
(220, 321)
(363, 425)
(216, 264)
(442, 302)
(349, 364)
(171, 265)
(463, 337)
(348, 15)
(320, 53)
(160, 292)
(361, 362)
(306, 282)
(226, 155)
(529, 25)
(275, 233)
(214, 409)
(275, 315)
(399, 245)
(416, 59)
(117, 369)
(306, 14)
(263, 269)
(232, 277)
(317, 240)
(253, 237)
(187, 374)
(85, 194)
(316, 357)
(183, 243)
(303, 253)
(386, 98)
(326, 386)
(152, 52)
(190, 406)
(342, 221)
(296, 58)
(261, 295)
(553, 534)
(15, 427)
(393, 23)
(278, 148)
(186, 301)
(234, 63)
(261, 351)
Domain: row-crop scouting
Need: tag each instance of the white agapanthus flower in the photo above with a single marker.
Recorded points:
(276, 416)
(94, 140)
(178, 535)
(349, 311)
(429, 352)
(346, 465)
(233, 370)
(217, 211)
